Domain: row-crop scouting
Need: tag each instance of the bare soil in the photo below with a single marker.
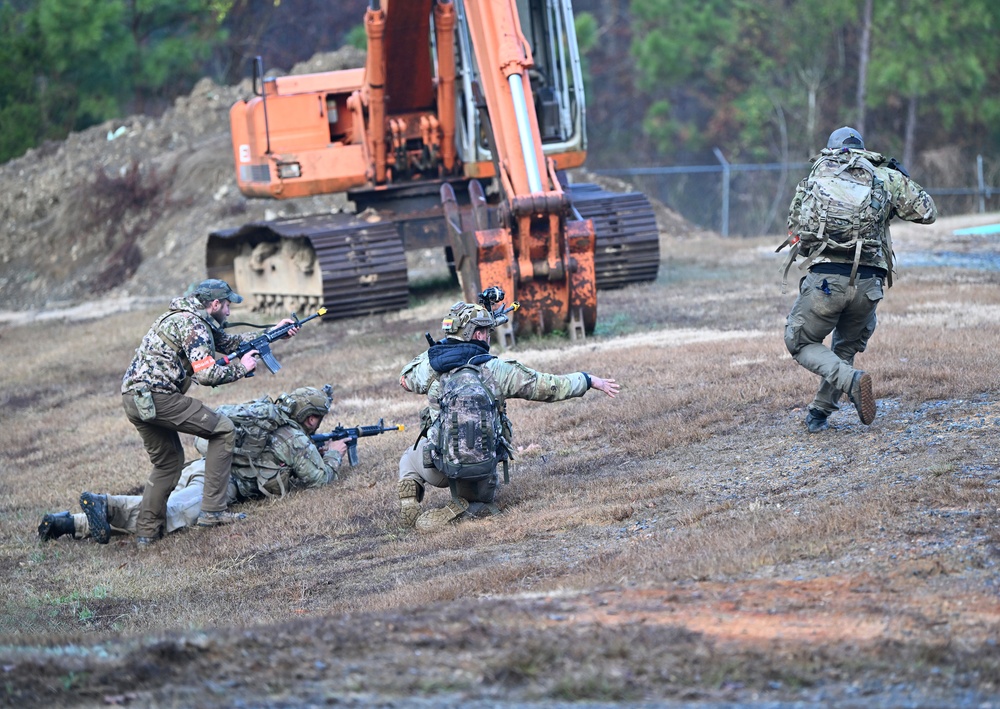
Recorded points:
(687, 544)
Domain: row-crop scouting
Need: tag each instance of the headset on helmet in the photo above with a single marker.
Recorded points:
(464, 318)
(299, 404)
(845, 137)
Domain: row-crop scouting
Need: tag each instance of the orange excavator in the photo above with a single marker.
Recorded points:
(454, 94)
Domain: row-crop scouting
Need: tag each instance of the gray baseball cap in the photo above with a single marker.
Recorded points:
(215, 289)
(845, 137)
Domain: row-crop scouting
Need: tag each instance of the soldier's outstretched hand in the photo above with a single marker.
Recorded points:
(608, 386)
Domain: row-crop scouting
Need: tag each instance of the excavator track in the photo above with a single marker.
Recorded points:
(627, 248)
(352, 266)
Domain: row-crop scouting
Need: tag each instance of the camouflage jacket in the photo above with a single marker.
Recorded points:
(180, 347)
(289, 460)
(907, 199)
(506, 379)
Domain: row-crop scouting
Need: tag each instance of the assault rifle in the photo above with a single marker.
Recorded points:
(263, 343)
(351, 436)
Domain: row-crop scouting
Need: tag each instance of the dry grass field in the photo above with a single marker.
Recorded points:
(687, 543)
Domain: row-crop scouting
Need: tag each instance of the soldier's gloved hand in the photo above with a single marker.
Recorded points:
(248, 361)
(896, 165)
(608, 386)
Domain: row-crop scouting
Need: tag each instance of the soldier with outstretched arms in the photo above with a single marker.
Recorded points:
(466, 433)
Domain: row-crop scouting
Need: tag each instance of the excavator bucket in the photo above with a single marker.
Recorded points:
(549, 270)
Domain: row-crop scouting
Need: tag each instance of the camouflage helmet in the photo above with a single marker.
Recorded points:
(299, 404)
(845, 137)
(464, 318)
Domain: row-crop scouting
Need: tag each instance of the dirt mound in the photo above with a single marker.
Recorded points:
(123, 209)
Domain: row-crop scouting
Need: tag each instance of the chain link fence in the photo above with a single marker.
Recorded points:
(752, 200)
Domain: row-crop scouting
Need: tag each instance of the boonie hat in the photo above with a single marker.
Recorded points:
(215, 289)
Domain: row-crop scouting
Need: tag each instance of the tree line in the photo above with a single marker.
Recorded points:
(668, 80)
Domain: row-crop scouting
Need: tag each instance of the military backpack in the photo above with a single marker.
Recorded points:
(254, 421)
(844, 209)
(470, 441)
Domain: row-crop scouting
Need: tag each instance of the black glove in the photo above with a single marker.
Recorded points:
(896, 165)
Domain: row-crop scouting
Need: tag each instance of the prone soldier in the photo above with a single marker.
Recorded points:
(287, 458)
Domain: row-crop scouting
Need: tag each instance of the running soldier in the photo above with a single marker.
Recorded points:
(847, 270)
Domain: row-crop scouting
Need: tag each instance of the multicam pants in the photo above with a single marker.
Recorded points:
(412, 467)
(826, 304)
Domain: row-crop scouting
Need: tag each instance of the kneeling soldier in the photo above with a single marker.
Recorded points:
(466, 430)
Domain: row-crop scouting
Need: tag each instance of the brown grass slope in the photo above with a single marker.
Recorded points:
(686, 541)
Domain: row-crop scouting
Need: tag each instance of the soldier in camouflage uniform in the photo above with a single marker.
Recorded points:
(468, 328)
(180, 348)
(289, 459)
(828, 303)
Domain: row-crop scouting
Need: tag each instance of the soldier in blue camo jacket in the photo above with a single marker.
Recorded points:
(180, 348)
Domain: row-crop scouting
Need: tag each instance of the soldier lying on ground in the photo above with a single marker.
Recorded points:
(466, 436)
(273, 453)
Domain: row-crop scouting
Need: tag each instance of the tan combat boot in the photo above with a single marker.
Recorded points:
(440, 517)
(409, 502)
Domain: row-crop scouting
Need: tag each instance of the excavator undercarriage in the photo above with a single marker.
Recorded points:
(355, 264)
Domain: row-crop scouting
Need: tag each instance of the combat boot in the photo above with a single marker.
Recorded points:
(410, 492)
(96, 509)
(214, 519)
(482, 509)
(144, 543)
(440, 517)
(54, 526)
(816, 421)
(862, 396)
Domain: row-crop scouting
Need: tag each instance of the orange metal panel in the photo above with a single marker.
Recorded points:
(409, 85)
(495, 259)
(336, 82)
